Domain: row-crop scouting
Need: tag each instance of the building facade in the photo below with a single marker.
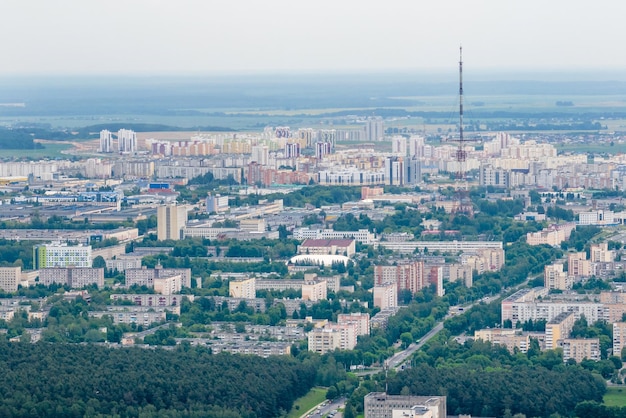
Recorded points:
(171, 219)
(61, 255)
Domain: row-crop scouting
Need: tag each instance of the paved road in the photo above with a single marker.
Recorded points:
(325, 410)
(398, 359)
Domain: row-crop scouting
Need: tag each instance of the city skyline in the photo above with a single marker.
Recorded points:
(193, 37)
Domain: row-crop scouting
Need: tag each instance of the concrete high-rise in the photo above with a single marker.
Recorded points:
(374, 129)
(106, 141)
(10, 278)
(126, 141)
(170, 221)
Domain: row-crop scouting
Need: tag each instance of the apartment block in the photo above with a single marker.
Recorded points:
(61, 255)
(553, 235)
(122, 263)
(407, 276)
(10, 278)
(555, 278)
(324, 340)
(460, 272)
(171, 219)
(314, 290)
(524, 305)
(168, 285)
(619, 338)
(580, 349)
(578, 266)
(360, 320)
(74, 277)
(386, 295)
(434, 276)
(151, 300)
(242, 288)
(133, 315)
(510, 338)
(559, 328)
(145, 276)
(600, 253)
(348, 335)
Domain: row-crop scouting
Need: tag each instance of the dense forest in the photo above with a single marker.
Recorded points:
(18, 139)
(65, 380)
(486, 380)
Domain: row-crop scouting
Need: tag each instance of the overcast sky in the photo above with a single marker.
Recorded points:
(215, 36)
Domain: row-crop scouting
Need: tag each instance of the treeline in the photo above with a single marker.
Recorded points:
(74, 381)
(314, 195)
(591, 409)
(17, 253)
(19, 138)
(577, 126)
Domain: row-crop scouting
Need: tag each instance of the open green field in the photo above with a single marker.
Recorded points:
(308, 401)
(615, 396)
(52, 150)
(616, 148)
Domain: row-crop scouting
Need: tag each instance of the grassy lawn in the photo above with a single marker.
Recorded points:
(308, 401)
(615, 396)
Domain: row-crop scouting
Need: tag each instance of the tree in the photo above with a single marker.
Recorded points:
(99, 262)
(349, 412)
(406, 338)
(332, 392)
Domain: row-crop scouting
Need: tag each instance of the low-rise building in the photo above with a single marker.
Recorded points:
(524, 305)
(328, 246)
(512, 339)
(150, 300)
(144, 316)
(74, 277)
(123, 263)
(382, 405)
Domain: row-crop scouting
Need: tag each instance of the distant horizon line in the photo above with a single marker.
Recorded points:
(582, 74)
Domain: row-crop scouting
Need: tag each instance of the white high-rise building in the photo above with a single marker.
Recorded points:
(260, 154)
(126, 141)
(374, 130)
(394, 171)
(398, 145)
(416, 146)
(106, 141)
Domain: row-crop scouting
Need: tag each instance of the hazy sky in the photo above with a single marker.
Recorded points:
(207, 36)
